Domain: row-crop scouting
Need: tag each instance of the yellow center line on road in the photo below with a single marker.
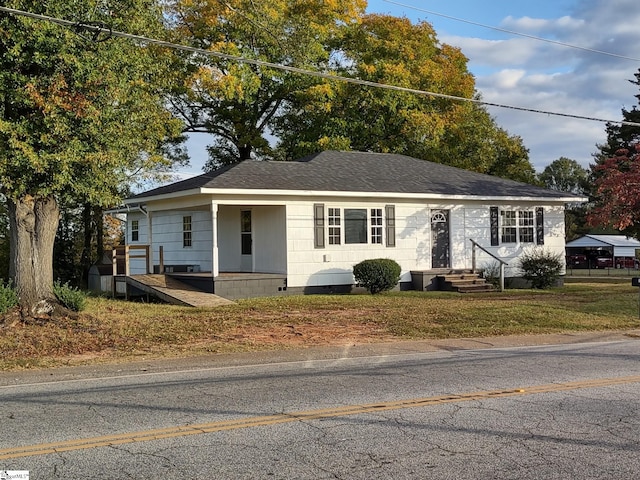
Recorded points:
(198, 429)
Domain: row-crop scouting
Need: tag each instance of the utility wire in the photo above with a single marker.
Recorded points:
(511, 32)
(96, 29)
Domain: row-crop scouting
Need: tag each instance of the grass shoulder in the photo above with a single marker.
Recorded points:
(113, 330)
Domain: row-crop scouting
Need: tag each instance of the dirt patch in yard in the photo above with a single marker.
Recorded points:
(302, 334)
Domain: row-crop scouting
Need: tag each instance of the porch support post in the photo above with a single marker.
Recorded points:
(214, 237)
(150, 242)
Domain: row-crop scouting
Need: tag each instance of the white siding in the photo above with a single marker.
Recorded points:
(167, 232)
(283, 236)
(229, 239)
(143, 237)
(333, 265)
(137, 265)
(270, 239)
(624, 251)
(269, 233)
(478, 228)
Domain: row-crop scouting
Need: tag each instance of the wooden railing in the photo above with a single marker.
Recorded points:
(123, 252)
(473, 261)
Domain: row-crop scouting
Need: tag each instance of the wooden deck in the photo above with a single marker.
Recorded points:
(174, 291)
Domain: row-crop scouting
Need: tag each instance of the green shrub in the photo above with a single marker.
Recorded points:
(8, 297)
(541, 267)
(70, 297)
(377, 275)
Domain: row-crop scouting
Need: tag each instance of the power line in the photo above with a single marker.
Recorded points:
(511, 32)
(97, 29)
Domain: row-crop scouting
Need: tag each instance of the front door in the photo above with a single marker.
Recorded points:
(440, 239)
(246, 242)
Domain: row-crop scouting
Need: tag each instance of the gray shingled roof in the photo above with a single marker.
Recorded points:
(333, 171)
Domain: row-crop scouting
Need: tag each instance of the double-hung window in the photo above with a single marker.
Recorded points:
(376, 225)
(334, 226)
(509, 226)
(526, 226)
(517, 226)
(135, 230)
(187, 239)
(354, 226)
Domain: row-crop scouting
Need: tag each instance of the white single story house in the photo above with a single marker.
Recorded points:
(308, 222)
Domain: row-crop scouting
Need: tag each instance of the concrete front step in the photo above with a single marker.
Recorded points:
(464, 283)
(461, 276)
(486, 288)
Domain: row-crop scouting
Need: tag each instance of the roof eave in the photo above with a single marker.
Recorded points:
(352, 194)
(164, 196)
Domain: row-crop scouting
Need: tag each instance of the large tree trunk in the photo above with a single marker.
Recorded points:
(33, 223)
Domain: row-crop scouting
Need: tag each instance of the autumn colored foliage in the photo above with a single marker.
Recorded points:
(618, 191)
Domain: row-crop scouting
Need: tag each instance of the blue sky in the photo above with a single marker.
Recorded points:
(533, 74)
(529, 73)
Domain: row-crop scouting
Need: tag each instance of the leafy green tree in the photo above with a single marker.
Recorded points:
(394, 51)
(567, 175)
(78, 119)
(235, 102)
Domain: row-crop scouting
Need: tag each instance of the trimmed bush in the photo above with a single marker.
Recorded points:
(70, 297)
(377, 275)
(8, 297)
(541, 267)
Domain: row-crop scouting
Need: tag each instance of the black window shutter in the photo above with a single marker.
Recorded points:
(540, 225)
(390, 214)
(318, 225)
(495, 228)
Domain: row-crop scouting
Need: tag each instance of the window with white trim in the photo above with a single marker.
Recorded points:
(334, 226)
(517, 226)
(376, 225)
(355, 225)
(526, 226)
(187, 239)
(509, 230)
(135, 230)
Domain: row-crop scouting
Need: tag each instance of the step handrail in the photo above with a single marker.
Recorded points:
(473, 261)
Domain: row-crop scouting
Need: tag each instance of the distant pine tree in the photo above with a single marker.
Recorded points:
(622, 136)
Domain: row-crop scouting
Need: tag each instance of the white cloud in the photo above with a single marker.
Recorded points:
(539, 75)
(494, 53)
(535, 26)
(508, 78)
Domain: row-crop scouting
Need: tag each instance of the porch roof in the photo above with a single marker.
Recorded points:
(334, 171)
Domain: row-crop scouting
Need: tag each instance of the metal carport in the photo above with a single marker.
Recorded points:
(618, 247)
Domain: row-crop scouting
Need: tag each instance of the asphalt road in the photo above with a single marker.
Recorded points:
(415, 410)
